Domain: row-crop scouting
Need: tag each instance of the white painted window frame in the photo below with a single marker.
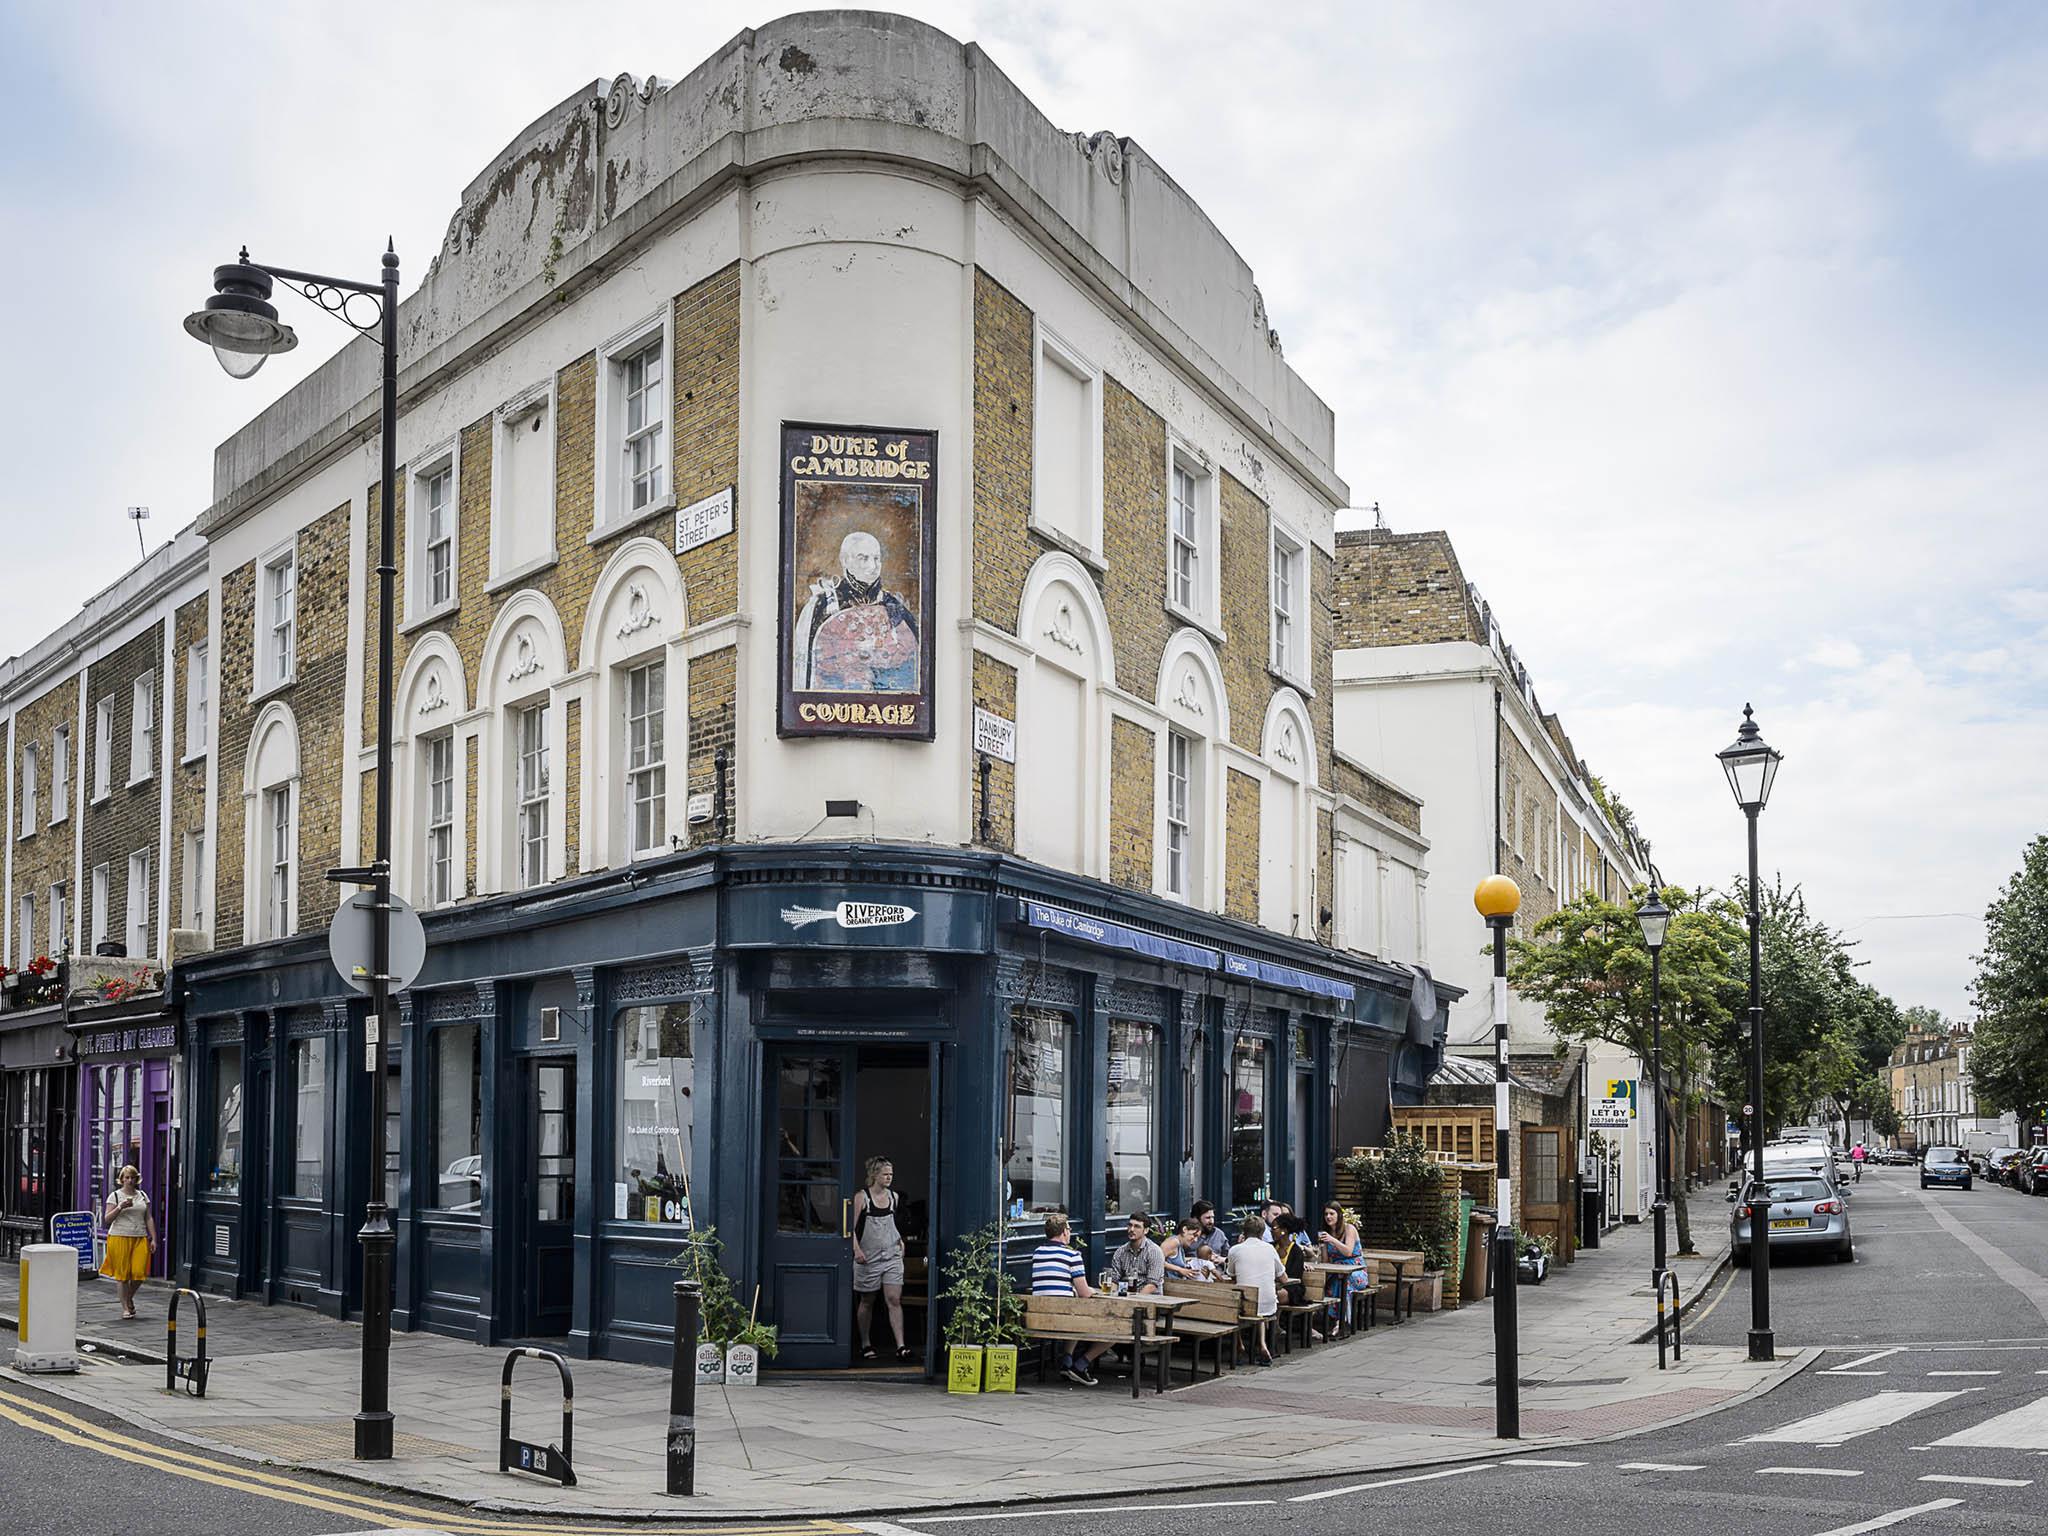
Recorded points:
(611, 480)
(518, 415)
(1288, 654)
(31, 788)
(142, 729)
(639, 775)
(1205, 611)
(444, 458)
(60, 774)
(192, 900)
(102, 750)
(102, 894)
(280, 858)
(531, 802)
(438, 854)
(25, 929)
(1048, 344)
(1188, 887)
(141, 865)
(277, 664)
(198, 702)
(60, 919)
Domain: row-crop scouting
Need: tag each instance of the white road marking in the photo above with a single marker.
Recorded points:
(1893, 1518)
(1966, 1373)
(1836, 1425)
(2023, 1429)
(1855, 1373)
(1808, 1472)
(1979, 1482)
(1389, 1482)
(1660, 1466)
(1538, 1461)
(1055, 1512)
(1867, 1360)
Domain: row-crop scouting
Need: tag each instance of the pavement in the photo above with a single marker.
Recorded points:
(1413, 1394)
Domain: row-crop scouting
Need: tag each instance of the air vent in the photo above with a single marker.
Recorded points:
(550, 1025)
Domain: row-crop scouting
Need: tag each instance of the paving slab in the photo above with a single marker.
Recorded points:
(1397, 1396)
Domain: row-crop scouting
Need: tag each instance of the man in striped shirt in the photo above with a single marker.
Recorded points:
(1057, 1270)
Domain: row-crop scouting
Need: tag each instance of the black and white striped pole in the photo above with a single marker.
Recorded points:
(1498, 898)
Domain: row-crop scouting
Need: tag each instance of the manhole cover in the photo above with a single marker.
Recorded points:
(327, 1442)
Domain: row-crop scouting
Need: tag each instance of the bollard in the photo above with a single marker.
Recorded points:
(682, 1392)
(193, 1369)
(47, 1324)
(547, 1461)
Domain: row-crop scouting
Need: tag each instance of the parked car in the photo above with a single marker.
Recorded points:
(2030, 1173)
(1996, 1162)
(1804, 1210)
(1945, 1165)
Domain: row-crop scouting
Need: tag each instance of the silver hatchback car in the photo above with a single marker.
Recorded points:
(1805, 1211)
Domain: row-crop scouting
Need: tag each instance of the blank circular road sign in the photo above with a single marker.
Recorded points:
(349, 937)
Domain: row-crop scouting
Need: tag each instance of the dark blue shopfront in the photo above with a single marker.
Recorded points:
(581, 1077)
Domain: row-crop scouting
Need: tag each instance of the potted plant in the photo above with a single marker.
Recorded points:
(985, 1319)
(724, 1321)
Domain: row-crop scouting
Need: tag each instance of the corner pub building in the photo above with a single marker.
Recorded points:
(863, 691)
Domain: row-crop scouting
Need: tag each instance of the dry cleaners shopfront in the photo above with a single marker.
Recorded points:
(726, 1039)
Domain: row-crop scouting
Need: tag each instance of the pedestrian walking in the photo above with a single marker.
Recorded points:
(878, 1256)
(131, 1237)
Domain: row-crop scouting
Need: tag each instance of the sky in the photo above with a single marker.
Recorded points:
(1712, 335)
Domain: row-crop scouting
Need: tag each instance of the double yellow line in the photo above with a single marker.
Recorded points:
(365, 1508)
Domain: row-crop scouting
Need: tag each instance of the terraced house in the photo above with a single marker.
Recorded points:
(863, 689)
(108, 727)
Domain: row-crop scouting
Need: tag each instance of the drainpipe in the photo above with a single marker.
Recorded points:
(1497, 778)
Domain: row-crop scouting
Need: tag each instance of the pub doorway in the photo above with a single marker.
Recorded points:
(838, 1105)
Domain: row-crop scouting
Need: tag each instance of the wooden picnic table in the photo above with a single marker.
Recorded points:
(1398, 1259)
(1133, 1319)
(1336, 1280)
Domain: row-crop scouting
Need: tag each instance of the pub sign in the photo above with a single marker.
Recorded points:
(859, 517)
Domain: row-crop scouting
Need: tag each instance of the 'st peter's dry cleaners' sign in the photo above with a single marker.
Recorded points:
(858, 525)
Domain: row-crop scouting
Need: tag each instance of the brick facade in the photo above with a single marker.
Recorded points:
(1134, 536)
(1401, 589)
(1241, 847)
(129, 819)
(188, 768)
(995, 690)
(1361, 784)
(1528, 831)
(45, 856)
(1132, 752)
(1004, 547)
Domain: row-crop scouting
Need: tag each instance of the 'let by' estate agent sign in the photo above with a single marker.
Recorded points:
(858, 521)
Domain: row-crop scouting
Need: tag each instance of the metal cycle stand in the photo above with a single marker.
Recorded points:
(548, 1461)
(1667, 1323)
(193, 1368)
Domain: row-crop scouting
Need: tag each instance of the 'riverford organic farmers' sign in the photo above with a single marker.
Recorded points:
(858, 521)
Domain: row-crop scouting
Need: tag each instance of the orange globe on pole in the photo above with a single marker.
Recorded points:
(1497, 896)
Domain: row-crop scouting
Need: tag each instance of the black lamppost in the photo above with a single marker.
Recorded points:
(1751, 766)
(1654, 917)
(242, 327)
(1498, 899)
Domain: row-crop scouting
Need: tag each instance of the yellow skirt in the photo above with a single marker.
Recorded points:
(127, 1259)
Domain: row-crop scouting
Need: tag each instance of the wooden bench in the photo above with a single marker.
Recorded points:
(1214, 1312)
(1389, 1267)
(1142, 1323)
(1336, 1283)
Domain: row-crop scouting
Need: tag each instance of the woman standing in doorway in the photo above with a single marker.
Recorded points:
(131, 1237)
(878, 1256)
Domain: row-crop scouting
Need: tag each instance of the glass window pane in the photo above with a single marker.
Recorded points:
(458, 1125)
(1036, 1162)
(226, 1175)
(309, 1118)
(656, 1118)
(1194, 1120)
(1131, 1118)
(1248, 1145)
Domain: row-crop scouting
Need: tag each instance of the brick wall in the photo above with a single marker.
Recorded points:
(1528, 822)
(129, 819)
(45, 856)
(319, 699)
(995, 690)
(1004, 547)
(1241, 847)
(712, 700)
(234, 670)
(188, 773)
(1400, 589)
(1134, 536)
(1132, 751)
(1369, 789)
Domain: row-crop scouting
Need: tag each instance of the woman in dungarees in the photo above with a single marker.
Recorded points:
(878, 1257)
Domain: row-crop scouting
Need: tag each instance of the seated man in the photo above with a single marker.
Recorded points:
(1215, 1242)
(1254, 1262)
(1138, 1267)
(1057, 1270)
(1184, 1255)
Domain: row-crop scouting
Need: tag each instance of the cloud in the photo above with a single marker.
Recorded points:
(2000, 112)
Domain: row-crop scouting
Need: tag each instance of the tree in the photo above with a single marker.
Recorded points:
(1589, 968)
(2009, 1060)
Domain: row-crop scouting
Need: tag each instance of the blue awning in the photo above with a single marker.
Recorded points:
(1287, 976)
(1096, 930)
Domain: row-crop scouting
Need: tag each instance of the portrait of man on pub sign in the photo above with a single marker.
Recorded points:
(857, 522)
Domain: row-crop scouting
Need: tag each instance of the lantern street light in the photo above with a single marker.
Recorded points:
(241, 325)
(1654, 917)
(1751, 767)
(1498, 898)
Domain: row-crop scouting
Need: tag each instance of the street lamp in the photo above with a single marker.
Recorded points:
(1751, 766)
(1498, 898)
(242, 327)
(1654, 917)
